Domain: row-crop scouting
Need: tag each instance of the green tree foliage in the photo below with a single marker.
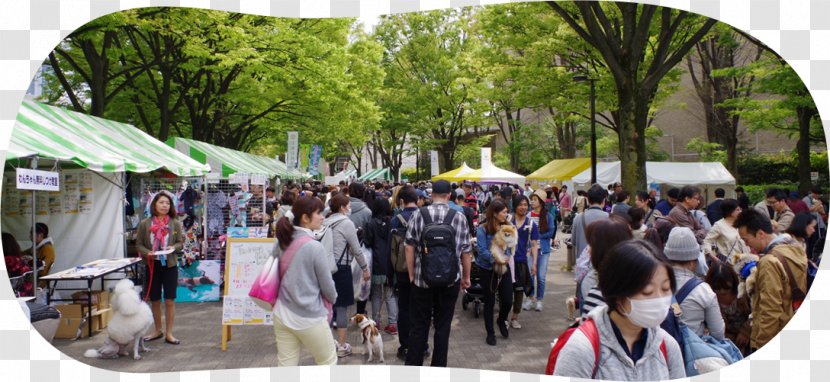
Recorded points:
(236, 80)
(640, 45)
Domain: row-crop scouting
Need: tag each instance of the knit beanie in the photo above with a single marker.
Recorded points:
(682, 245)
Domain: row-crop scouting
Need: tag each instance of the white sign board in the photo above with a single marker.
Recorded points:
(38, 180)
(486, 162)
(212, 177)
(259, 179)
(243, 262)
(239, 178)
(813, 176)
(291, 154)
(433, 156)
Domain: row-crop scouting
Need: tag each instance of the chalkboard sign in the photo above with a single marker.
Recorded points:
(243, 262)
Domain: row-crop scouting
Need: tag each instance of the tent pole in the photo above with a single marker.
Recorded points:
(204, 218)
(34, 231)
(123, 216)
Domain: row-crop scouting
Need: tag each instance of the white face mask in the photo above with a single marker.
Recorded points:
(649, 313)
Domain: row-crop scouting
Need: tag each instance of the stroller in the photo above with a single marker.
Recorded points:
(475, 293)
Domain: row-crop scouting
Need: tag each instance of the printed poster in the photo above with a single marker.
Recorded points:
(42, 203)
(199, 282)
(233, 310)
(55, 200)
(11, 196)
(71, 198)
(24, 201)
(85, 195)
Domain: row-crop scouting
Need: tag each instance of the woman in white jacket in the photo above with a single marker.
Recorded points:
(637, 286)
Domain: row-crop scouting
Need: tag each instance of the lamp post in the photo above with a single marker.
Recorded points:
(582, 78)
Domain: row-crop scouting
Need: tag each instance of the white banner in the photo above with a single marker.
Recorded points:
(239, 178)
(291, 153)
(486, 163)
(259, 179)
(433, 156)
(38, 180)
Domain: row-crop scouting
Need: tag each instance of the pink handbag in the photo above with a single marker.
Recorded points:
(266, 287)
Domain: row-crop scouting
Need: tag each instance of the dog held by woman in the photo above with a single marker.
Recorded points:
(504, 239)
(131, 319)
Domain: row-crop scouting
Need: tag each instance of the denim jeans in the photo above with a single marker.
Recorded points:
(541, 273)
(381, 293)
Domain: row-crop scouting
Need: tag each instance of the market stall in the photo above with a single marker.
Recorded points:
(494, 174)
(455, 175)
(659, 175)
(346, 176)
(377, 174)
(92, 156)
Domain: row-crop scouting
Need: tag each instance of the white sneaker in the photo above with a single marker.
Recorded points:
(527, 305)
(344, 350)
(538, 306)
(515, 324)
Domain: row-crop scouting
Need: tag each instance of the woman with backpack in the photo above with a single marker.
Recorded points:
(700, 304)
(300, 314)
(496, 216)
(378, 239)
(626, 333)
(345, 246)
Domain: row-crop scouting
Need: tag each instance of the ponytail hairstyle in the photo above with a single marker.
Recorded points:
(302, 206)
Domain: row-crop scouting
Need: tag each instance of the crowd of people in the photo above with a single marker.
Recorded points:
(748, 266)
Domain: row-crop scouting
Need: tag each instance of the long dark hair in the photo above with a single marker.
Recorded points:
(496, 206)
(302, 206)
(10, 246)
(171, 212)
(602, 235)
(543, 214)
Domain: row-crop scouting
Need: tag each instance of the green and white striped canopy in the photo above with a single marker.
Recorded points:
(379, 173)
(95, 143)
(227, 161)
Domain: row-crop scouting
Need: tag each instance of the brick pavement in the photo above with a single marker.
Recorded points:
(198, 326)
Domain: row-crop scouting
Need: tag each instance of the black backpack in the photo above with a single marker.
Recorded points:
(672, 322)
(397, 241)
(439, 262)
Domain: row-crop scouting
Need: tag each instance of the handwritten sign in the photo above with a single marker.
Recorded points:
(243, 262)
(259, 179)
(37, 180)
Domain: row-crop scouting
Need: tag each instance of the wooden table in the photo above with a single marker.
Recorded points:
(89, 272)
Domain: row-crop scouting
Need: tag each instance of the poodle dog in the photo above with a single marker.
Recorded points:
(371, 336)
(131, 319)
(745, 266)
(505, 238)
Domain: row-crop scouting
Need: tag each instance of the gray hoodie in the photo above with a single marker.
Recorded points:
(576, 359)
(700, 308)
(361, 214)
(344, 233)
(308, 276)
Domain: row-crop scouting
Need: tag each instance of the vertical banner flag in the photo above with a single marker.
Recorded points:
(486, 163)
(314, 162)
(433, 157)
(305, 154)
(291, 153)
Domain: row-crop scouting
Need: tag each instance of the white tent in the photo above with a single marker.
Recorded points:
(493, 174)
(676, 174)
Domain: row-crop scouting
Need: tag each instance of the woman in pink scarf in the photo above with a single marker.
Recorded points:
(161, 232)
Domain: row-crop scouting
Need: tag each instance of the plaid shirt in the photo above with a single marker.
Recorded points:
(413, 236)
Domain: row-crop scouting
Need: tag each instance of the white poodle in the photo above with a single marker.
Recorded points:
(130, 321)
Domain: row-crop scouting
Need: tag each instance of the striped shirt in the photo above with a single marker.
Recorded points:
(437, 212)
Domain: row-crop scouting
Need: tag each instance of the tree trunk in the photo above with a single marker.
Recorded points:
(633, 115)
(805, 116)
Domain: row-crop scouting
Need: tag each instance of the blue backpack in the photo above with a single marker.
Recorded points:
(700, 354)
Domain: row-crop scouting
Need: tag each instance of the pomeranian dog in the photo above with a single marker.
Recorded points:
(131, 319)
(506, 238)
(371, 336)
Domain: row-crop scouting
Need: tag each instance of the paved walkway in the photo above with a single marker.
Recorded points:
(198, 326)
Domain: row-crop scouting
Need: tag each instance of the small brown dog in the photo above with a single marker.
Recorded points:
(371, 336)
(505, 238)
